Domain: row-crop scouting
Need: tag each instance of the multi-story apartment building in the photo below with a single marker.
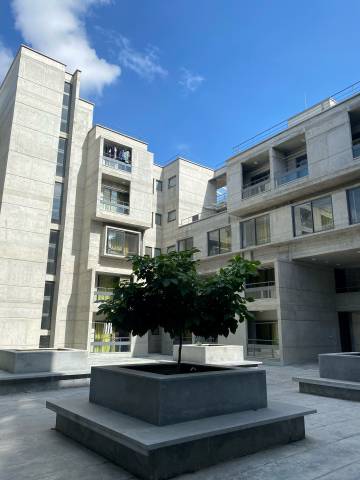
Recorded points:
(77, 198)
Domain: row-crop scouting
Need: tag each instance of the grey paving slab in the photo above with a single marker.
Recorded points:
(30, 449)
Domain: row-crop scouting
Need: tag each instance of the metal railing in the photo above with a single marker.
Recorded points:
(261, 348)
(291, 175)
(255, 188)
(221, 199)
(102, 293)
(322, 106)
(115, 345)
(116, 164)
(261, 290)
(120, 207)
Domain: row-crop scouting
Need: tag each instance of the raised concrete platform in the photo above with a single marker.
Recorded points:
(329, 387)
(214, 354)
(157, 453)
(340, 366)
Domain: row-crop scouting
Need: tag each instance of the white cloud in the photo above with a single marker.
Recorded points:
(56, 28)
(190, 81)
(5, 60)
(145, 64)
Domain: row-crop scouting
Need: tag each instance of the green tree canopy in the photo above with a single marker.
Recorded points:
(168, 292)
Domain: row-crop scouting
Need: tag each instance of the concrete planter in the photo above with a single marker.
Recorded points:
(166, 399)
(340, 366)
(43, 360)
(210, 353)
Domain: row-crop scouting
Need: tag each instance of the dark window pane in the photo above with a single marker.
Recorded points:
(225, 240)
(213, 242)
(354, 205)
(262, 229)
(185, 244)
(171, 216)
(172, 182)
(303, 219)
(47, 305)
(171, 248)
(53, 251)
(158, 219)
(157, 252)
(322, 214)
(44, 341)
(158, 185)
(57, 202)
(61, 157)
(248, 236)
(148, 251)
(122, 243)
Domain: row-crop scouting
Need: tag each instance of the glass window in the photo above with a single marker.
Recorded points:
(57, 202)
(148, 251)
(314, 216)
(171, 248)
(47, 305)
(171, 216)
(172, 182)
(44, 341)
(65, 112)
(61, 157)
(52, 252)
(122, 242)
(157, 252)
(158, 218)
(255, 231)
(158, 185)
(185, 244)
(219, 241)
(353, 197)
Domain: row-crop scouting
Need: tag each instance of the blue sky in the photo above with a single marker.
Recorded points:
(193, 77)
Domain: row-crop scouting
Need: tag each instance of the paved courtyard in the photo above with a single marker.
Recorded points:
(30, 449)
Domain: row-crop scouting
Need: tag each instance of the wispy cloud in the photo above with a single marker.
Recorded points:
(5, 60)
(57, 28)
(182, 148)
(190, 81)
(145, 63)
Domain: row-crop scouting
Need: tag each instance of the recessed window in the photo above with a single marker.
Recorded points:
(65, 111)
(53, 251)
(57, 202)
(148, 251)
(313, 216)
(172, 182)
(61, 157)
(219, 241)
(157, 252)
(353, 198)
(47, 305)
(185, 244)
(158, 185)
(255, 231)
(158, 218)
(171, 248)
(171, 216)
(121, 242)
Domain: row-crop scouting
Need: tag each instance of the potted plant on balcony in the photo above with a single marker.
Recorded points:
(167, 291)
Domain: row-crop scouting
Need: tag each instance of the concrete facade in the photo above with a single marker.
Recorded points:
(69, 215)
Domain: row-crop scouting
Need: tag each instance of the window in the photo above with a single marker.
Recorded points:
(219, 241)
(171, 248)
(65, 112)
(148, 251)
(313, 216)
(171, 216)
(353, 198)
(121, 242)
(158, 218)
(57, 202)
(255, 231)
(47, 305)
(172, 182)
(185, 244)
(158, 185)
(44, 341)
(61, 157)
(115, 200)
(52, 251)
(157, 252)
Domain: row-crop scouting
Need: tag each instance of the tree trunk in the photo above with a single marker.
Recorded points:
(179, 351)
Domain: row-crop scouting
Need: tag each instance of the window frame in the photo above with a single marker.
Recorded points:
(151, 251)
(254, 220)
(169, 220)
(158, 215)
(170, 179)
(158, 183)
(173, 248)
(348, 190)
(219, 242)
(113, 255)
(312, 216)
(56, 251)
(185, 240)
(61, 198)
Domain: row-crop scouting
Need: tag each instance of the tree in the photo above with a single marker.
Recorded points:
(168, 292)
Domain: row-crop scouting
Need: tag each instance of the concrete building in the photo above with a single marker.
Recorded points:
(77, 198)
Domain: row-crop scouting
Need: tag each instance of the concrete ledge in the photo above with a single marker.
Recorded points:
(158, 453)
(328, 387)
(340, 366)
(210, 353)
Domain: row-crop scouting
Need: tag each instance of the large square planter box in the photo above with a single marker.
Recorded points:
(43, 360)
(210, 353)
(147, 392)
(340, 366)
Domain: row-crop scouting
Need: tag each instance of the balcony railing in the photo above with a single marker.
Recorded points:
(292, 175)
(261, 348)
(261, 290)
(102, 294)
(255, 188)
(122, 208)
(115, 344)
(116, 164)
(221, 199)
(356, 150)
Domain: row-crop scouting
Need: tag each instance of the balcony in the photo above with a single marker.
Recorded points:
(263, 349)
(302, 170)
(121, 208)
(261, 290)
(116, 164)
(256, 187)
